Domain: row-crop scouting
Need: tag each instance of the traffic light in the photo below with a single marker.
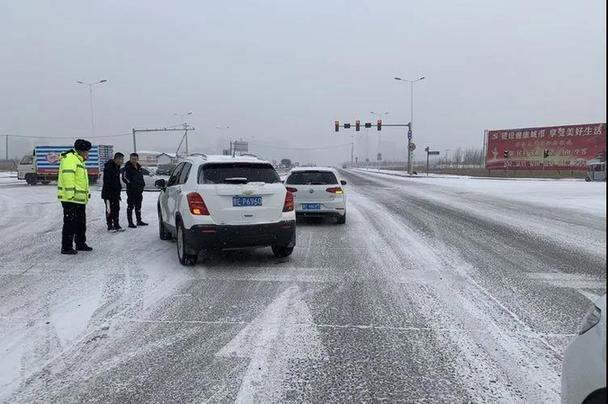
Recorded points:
(546, 153)
(368, 124)
(347, 126)
(357, 125)
(505, 154)
(337, 125)
(379, 124)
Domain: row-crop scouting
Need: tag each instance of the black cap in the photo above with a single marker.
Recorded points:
(82, 145)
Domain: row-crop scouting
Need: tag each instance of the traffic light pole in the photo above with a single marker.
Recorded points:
(409, 148)
(380, 124)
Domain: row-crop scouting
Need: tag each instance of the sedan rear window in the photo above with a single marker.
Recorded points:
(231, 173)
(312, 178)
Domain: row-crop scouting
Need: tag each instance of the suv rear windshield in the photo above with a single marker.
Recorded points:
(312, 178)
(221, 173)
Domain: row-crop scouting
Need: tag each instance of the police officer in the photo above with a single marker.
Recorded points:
(73, 192)
(134, 178)
(110, 192)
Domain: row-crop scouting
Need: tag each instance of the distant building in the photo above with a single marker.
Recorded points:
(154, 158)
(166, 158)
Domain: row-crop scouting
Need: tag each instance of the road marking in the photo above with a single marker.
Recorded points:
(578, 282)
(284, 330)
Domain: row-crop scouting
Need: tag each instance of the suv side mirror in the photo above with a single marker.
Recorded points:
(160, 184)
(343, 182)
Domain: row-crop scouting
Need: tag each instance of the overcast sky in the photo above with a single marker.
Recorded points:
(278, 73)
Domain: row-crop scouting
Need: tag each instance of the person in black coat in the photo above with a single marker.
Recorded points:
(110, 192)
(134, 178)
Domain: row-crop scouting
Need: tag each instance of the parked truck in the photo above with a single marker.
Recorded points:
(42, 165)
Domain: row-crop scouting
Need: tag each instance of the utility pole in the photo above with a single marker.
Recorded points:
(135, 131)
(6, 149)
(183, 116)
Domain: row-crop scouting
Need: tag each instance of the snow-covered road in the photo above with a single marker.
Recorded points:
(433, 291)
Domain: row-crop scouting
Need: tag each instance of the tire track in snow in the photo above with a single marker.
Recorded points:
(498, 360)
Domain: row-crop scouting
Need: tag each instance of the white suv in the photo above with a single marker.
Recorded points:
(217, 202)
(318, 191)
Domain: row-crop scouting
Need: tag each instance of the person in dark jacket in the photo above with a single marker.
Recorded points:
(110, 192)
(134, 178)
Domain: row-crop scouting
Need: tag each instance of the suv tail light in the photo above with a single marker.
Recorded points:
(196, 204)
(291, 189)
(335, 190)
(288, 206)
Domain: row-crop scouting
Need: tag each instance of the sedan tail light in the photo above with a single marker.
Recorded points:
(289, 205)
(335, 190)
(196, 204)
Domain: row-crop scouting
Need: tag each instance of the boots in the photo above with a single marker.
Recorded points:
(139, 221)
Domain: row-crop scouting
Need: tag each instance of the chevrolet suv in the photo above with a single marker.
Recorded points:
(221, 202)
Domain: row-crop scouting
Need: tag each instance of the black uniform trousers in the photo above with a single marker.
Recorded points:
(112, 210)
(74, 225)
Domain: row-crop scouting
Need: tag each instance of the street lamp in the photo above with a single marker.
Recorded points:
(90, 85)
(411, 124)
(220, 129)
(182, 116)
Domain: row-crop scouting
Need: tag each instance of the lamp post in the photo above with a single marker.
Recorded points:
(220, 129)
(90, 85)
(411, 124)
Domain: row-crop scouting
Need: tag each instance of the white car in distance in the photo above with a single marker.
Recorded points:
(221, 202)
(318, 192)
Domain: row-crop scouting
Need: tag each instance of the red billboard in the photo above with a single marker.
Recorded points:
(554, 147)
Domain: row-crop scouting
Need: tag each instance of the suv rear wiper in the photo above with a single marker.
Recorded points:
(236, 180)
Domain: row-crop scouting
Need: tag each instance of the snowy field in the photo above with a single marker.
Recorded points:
(437, 289)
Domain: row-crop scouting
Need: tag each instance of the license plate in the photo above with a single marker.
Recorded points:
(246, 201)
(311, 206)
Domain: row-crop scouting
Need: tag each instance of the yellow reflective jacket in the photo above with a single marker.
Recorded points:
(73, 179)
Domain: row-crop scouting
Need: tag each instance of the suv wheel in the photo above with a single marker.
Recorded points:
(162, 232)
(182, 249)
(281, 251)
